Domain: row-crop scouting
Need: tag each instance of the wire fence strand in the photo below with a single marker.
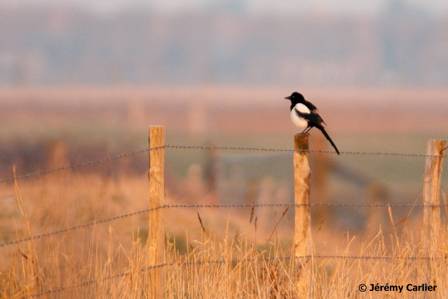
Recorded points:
(204, 206)
(88, 283)
(144, 269)
(288, 150)
(234, 262)
(128, 215)
(94, 163)
(85, 164)
(76, 227)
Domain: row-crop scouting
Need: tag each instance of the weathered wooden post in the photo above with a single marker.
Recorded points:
(156, 233)
(431, 193)
(302, 223)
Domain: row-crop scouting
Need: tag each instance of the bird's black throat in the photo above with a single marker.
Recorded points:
(293, 104)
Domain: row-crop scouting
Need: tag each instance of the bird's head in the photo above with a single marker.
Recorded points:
(295, 97)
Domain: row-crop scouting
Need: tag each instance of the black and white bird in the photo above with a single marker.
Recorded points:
(305, 116)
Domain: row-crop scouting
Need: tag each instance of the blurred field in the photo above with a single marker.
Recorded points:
(47, 128)
(249, 264)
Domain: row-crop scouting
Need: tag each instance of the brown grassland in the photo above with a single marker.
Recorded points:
(230, 259)
(226, 254)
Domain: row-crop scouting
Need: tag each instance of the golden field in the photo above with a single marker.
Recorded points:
(230, 259)
(225, 254)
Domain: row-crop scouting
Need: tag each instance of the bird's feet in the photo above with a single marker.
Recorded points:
(306, 130)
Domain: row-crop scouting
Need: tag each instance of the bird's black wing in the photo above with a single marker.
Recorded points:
(313, 109)
(313, 119)
(310, 105)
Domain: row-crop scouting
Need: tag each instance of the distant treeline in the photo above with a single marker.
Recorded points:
(402, 45)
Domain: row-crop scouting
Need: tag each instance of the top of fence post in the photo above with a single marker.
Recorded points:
(301, 143)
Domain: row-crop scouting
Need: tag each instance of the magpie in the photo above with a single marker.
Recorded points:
(305, 115)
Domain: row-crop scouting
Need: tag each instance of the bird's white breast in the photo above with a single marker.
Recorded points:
(298, 121)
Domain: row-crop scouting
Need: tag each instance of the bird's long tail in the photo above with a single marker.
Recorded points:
(322, 129)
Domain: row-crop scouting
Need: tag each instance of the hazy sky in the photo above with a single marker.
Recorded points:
(259, 6)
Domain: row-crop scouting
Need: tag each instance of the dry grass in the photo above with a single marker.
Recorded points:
(228, 253)
(219, 260)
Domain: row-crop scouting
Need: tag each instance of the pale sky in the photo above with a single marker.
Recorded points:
(255, 6)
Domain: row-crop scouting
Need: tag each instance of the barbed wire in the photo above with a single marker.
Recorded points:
(88, 283)
(130, 214)
(288, 150)
(205, 206)
(317, 204)
(144, 269)
(77, 227)
(93, 163)
(90, 163)
(444, 149)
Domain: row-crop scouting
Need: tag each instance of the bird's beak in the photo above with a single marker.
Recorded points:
(288, 98)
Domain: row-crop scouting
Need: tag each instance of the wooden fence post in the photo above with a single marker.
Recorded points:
(302, 223)
(431, 193)
(156, 233)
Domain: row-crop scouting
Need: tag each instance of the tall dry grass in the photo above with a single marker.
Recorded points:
(227, 258)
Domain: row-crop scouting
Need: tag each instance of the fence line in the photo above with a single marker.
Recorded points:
(89, 163)
(206, 206)
(88, 283)
(94, 163)
(288, 150)
(157, 264)
(75, 227)
(317, 204)
(144, 269)
(131, 214)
